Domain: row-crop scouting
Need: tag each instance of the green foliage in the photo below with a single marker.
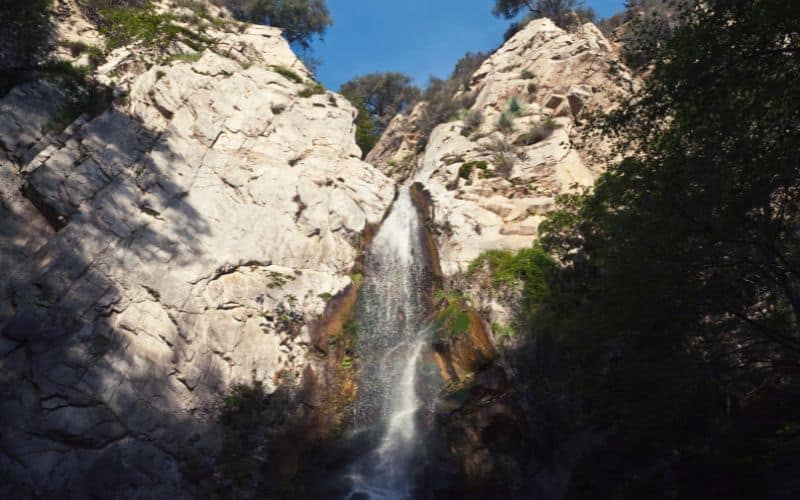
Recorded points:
(529, 267)
(538, 132)
(301, 20)
(382, 96)
(565, 13)
(187, 58)
(350, 328)
(514, 106)
(278, 280)
(526, 75)
(312, 89)
(287, 73)
(678, 291)
(347, 363)
(503, 164)
(472, 122)
(366, 132)
(644, 27)
(452, 320)
(245, 414)
(356, 278)
(505, 123)
(504, 331)
(326, 296)
(441, 95)
(96, 55)
(126, 25)
(466, 169)
(83, 95)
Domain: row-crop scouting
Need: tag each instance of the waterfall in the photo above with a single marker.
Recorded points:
(392, 343)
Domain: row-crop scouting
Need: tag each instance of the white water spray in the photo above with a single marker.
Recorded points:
(392, 339)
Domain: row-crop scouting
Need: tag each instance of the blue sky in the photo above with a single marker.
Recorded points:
(416, 37)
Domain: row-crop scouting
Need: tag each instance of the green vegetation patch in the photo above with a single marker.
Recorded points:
(278, 280)
(529, 266)
(537, 133)
(465, 170)
(187, 58)
(453, 319)
(312, 89)
(128, 25)
(83, 95)
(287, 73)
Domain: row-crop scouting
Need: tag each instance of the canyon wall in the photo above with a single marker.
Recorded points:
(157, 254)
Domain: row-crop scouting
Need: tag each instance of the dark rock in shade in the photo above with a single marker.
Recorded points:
(24, 325)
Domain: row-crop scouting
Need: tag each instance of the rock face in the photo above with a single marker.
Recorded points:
(492, 183)
(173, 246)
(493, 175)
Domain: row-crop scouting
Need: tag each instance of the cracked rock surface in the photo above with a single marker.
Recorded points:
(161, 252)
(509, 182)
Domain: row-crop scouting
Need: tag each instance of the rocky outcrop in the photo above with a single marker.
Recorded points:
(492, 176)
(495, 172)
(177, 244)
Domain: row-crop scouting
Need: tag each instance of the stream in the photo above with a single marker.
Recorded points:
(398, 381)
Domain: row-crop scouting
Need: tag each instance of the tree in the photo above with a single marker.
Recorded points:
(367, 134)
(680, 293)
(379, 97)
(300, 20)
(565, 13)
(383, 94)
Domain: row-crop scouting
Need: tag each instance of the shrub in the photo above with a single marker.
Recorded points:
(187, 58)
(503, 164)
(466, 169)
(505, 123)
(440, 95)
(301, 20)
(287, 73)
(82, 94)
(96, 54)
(514, 106)
(378, 98)
(564, 13)
(513, 268)
(127, 25)
(312, 89)
(453, 319)
(532, 87)
(472, 122)
(526, 75)
(538, 132)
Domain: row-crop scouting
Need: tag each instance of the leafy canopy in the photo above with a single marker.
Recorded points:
(301, 20)
(679, 297)
(564, 13)
(378, 98)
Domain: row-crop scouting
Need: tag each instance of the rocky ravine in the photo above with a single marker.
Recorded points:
(175, 245)
(490, 187)
(550, 74)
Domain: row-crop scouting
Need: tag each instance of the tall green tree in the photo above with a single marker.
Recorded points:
(379, 97)
(301, 20)
(564, 13)
(679, 300)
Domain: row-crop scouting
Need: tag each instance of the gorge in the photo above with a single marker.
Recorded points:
(208, 290)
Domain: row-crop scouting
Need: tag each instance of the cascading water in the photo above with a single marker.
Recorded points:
(392, 342)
